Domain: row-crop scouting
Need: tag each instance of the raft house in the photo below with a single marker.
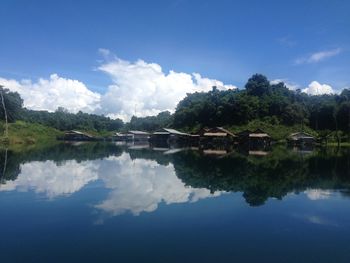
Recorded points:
(136, 136)
(254, 139)
(216, 136)
(301, 139)
(74, 135)
(169, 136)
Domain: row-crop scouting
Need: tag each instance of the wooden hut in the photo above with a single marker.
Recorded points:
(136, 136)
(217, 136)
(122, 136)
(254, 139)
(301, 139)
(140, 135)
(77, 136)
(169, 136)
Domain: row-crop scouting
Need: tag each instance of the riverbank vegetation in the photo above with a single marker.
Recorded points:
(272, 107)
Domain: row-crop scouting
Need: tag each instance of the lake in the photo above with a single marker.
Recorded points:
(96, 202)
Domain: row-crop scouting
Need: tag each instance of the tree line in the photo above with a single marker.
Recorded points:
(273, 103)
(260, 100)
(61, 119)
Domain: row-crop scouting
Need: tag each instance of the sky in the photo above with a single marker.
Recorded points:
(121, 58)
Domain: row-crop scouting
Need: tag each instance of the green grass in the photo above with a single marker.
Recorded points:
(26, 134)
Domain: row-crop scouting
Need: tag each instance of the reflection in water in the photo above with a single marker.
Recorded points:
(140, 185)
(52, 179)
(137, 185)
(138, 179)
(318, 194)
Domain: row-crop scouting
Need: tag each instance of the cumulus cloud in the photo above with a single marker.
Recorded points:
(135, 86)
(316, 88)
(144, 88)
(318, 56)
(289, 85)
(49, 94)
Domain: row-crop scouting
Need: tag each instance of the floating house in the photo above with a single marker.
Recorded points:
(77, 136)
(122, 136)
(300, 139)
(139, 135)
(169, 136)
(216, 136)
(136, 136)
(217, 132)
(254, 139)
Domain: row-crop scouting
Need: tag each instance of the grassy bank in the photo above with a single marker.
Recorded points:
(26, 134)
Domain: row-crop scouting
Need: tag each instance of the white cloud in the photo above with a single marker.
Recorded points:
(144, 87)
(49, 94)
(139, 86)
(318, 56)
(315, 88)
(289, 85)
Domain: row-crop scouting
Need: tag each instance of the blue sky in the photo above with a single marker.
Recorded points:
(298, 41)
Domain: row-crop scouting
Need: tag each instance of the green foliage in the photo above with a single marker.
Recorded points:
(269, 103)
(150, 123)
(61, 119)
(258, 85)
(13, 103)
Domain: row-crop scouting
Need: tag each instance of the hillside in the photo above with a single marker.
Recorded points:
(23, 133)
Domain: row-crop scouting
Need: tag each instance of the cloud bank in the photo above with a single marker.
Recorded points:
(139, 88)
(316, 88)
(144, 88)
(49, 94)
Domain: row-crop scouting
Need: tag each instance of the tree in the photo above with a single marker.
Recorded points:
(258, 85)
(11, 105)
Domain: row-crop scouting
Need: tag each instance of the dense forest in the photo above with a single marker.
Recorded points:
(273, 103)
(260, 101)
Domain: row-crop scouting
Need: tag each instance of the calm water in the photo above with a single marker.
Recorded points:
(109, 203)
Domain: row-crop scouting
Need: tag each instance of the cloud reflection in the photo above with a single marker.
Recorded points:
(52, 179)
(134, 186)
(318, 194)
(141, 185)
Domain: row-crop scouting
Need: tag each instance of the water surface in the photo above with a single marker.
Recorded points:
(104, 202)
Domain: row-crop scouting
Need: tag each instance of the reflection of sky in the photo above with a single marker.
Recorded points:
(318, 194)
(53, 179)
(135, 185)
(140, 185)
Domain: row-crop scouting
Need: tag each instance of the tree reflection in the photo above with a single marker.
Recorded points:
(274, 175)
